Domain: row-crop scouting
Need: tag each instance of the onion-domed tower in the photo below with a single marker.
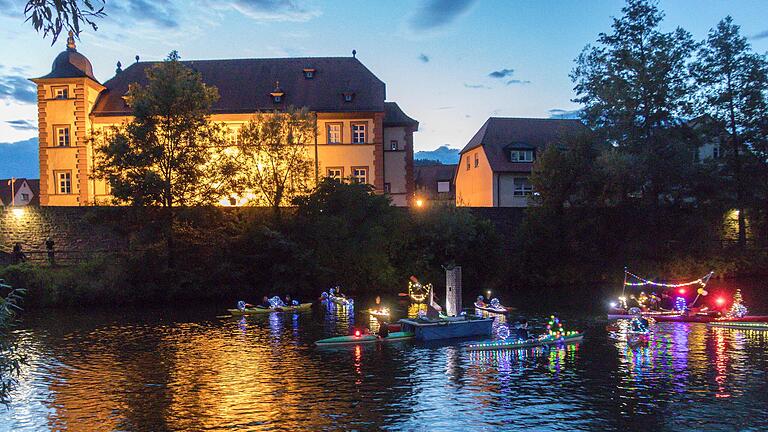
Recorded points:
(65, 98)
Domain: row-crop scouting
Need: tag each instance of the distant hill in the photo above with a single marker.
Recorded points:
(19, 159)
(443, 154)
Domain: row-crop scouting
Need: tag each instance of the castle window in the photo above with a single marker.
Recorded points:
(358, 133)
(64, 182)
(387, 187)
(360, 175)
(522, 186)
(336, 173)
(309, 73)
(25, 197)
(277, 98)
(467, 162)
(477, 160)
(61, 92)
(443, 186)
(521, 155)
(334, 133)
(393, 145)
(62, 136)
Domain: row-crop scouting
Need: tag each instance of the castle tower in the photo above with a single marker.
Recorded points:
(65, 98)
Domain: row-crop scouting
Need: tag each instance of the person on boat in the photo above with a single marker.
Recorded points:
(383, 329)
(521, 329)
(288, 301)
(480, 302)
(666, 302)
(639, 323)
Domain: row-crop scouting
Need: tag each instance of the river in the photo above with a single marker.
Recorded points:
(184, 369)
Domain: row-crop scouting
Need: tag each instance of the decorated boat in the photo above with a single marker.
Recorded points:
(740, 325)
(379, 313)
(334, 295)
(709, 318)
(263, 310)
(494, 306)
(571, 337)
(624, 314)
(418, 292)
(361, 339)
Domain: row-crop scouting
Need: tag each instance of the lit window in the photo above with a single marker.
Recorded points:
(521, 155)
(62, 136)
(522, 186)
(334, 133)
(61, 92)
(358, 133)
(336, 173)
(64, 181)
(393, 145)
(443, 186)
(360, 175)
(477, 160)
(25, 197)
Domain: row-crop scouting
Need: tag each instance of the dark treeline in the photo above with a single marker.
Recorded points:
(673, 177)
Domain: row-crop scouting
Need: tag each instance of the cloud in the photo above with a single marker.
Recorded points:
(476, 86)
(273, 10)
(160, 13)
(423, 58)
(502, 73)
(557, 113)
(22, 124)
(445, 107)
(761, 35)
(517, 81)
(436, 14)
(18, 89)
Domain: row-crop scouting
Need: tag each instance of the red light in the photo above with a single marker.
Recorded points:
(681, 290)
(357, 333)
(720, 300)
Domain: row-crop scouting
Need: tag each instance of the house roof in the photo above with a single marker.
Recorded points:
(394, 116)
(5, 190)
(34, 185)
(500, 134)
(428, 175)
(245, 85)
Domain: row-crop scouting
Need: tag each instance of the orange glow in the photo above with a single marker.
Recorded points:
(720, 301)
(419, 202)
(681, 290)
(357, 333)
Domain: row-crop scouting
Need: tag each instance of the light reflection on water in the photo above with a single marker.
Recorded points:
(187, 371)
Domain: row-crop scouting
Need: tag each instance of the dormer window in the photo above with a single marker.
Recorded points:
(277, 94)
(349, 96)
(309, 73)
(521, 155)
(61, 93)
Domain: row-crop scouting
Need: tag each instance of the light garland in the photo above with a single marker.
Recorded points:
(738, 310)
(700, 281)
(680, 304)
(418, 292)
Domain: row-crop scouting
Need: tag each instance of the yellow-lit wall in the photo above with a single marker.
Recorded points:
(475, 186)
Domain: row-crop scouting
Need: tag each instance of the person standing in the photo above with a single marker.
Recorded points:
(49, 248)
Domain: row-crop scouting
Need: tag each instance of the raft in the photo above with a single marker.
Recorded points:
(487, 346)
(363, 339)
(740, 325)
(257, 310)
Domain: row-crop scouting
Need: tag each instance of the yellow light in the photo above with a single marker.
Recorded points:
(419, 202)
(18, 212)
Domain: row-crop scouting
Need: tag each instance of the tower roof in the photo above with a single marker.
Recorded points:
(70, 63)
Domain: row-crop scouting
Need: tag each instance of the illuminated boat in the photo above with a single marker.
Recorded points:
(740, 325)
(463, 326)
(699, 318)
(493, 306)
(378, 313)
(362, 339)
(260, 310)
(341, 301)
(572, 337)
(624, 314)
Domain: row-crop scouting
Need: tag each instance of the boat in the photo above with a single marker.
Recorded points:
(363, 339)
(623, 314)
(488, 308)
(261, 310)
(425, 329)
(341, 301)
(699, 318)
(740, 325)
(378, 313)
(520, 344)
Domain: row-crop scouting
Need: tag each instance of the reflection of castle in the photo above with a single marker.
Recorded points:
(360, 136)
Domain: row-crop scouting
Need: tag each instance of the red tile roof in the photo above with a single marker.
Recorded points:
(499, 134)
(245, 85)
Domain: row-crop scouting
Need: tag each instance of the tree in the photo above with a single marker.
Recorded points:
(728, 72)
(273, 155)
(635, 88)
(55, 16)
(10, 359)
(170, 153)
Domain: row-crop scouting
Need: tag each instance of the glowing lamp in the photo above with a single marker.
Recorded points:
(357, 333)
(419, 202)
(613, 304)
(18, 212)
(681, 290)
(720, 301)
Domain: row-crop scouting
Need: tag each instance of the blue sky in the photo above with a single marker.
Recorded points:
(449, 63)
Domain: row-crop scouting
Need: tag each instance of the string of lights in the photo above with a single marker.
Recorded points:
(702, 281)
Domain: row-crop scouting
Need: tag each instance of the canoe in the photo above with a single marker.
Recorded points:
(363, 339)
(341, 301)
(499, 310)
(709, 318)
(739, 325)
(526, 344)
(257, 311)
